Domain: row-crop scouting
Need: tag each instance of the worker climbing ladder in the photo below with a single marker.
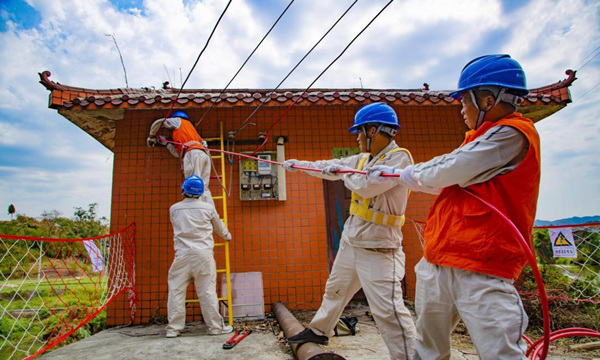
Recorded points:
(223, 198)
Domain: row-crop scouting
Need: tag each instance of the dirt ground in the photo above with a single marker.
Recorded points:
(461, 342)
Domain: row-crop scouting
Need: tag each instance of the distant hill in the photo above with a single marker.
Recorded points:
(576, 220)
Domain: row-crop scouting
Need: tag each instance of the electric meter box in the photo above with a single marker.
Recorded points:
(258, 179)
(264, 167)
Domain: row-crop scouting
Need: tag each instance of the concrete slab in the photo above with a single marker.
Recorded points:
(149, 342)
(265, 343)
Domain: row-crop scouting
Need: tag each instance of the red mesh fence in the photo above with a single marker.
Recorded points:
(54, 291)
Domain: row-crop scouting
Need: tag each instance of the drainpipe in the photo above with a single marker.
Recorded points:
(291, 326)
(281, 185)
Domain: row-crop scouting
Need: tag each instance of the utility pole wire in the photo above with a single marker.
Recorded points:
(578, 66)
(595, 86)
(120, 56)
(299, 97)
(196, 62)
(244, 64)
(268, 96)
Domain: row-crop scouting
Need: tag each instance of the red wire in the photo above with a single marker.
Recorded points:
(534, 268)
(348, 171)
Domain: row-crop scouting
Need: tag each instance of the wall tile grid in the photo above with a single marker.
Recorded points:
(285, 240)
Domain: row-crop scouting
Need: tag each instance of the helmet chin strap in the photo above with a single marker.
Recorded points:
(481, 112)
(364, 128)
(502, 96)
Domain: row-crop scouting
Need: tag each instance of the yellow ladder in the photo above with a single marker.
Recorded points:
(222, 197)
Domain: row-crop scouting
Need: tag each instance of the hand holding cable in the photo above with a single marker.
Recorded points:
(336, 169)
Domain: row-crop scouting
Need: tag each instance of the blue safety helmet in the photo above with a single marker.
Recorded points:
(193, 185)
(492, 70)
(379, 112)
(180, 114)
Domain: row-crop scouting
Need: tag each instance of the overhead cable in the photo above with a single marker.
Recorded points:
(244, 64)
(197, 59)
(321, 74)
(294, 68)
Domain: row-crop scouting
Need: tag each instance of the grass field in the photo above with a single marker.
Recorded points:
(35, 311)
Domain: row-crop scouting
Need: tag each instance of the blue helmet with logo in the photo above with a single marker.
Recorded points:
(180, 114)
(193, 185)
(374, 113)
(492, 70)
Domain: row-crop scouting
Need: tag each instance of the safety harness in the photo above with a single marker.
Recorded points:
(359, 206)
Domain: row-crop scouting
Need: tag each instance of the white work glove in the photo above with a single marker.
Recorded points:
(205, 144)
(375, 172)
(406, 174)
(161, 140)
(333, 169)
(228, 237)
(407, 177)
(289, 163)
(157, 140)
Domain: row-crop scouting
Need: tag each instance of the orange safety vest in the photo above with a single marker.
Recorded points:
(186, 133)
(462, 232)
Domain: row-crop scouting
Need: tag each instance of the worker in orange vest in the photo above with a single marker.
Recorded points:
(187, 145)
(471, 258)
(370, 254)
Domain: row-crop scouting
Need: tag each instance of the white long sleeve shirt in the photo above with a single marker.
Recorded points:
(193, 223)
(496, 152)
(386, 196)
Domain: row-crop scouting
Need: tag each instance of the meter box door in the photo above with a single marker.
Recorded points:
(258, 179)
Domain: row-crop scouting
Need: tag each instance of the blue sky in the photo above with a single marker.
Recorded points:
(47, 163)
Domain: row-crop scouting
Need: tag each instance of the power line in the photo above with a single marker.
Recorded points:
(321, 74)
(244, 64)
(294, 68)
(595, 86)
(197, 59)
(582, 66)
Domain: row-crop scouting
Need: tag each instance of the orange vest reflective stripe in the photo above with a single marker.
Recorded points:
(186, 133)
(463, 232)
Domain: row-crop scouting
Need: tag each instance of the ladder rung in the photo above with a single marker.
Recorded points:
(223, 298)
(221, 270)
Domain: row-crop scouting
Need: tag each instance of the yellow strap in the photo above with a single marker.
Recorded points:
(376, 217)
(362, 211)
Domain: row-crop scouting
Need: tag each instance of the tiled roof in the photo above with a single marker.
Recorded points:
(96, 111)
(70, 97)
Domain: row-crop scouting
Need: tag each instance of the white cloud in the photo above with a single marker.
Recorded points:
(412, 42)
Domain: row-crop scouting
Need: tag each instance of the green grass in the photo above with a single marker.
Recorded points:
(32, 331)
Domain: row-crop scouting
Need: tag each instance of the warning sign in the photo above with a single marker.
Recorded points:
(563, 244)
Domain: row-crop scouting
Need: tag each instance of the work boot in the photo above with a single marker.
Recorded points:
(172, 333)
(225, 330)
(307, 335)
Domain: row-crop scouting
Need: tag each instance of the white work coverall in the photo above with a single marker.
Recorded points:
(194, 162)
(370, 256)
(489, 305)
(193, 223)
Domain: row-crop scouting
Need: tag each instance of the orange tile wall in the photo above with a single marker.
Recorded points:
(285, 240)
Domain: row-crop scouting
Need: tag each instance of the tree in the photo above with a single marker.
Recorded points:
(11, 210)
